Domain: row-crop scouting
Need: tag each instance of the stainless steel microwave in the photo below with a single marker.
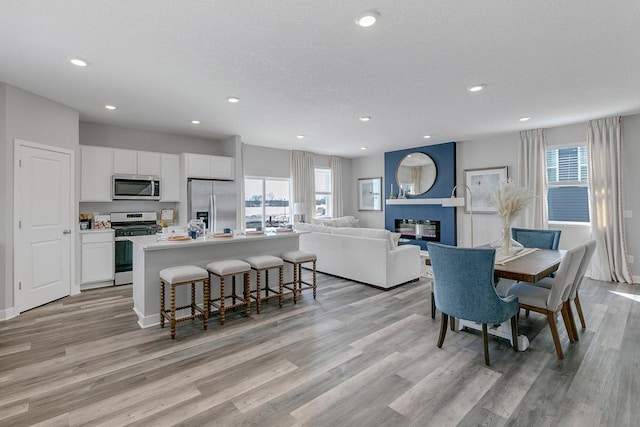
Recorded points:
(135, 187)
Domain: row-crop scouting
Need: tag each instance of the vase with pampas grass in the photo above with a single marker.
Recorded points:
(510, 200)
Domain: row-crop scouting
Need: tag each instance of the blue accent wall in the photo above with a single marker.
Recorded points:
(444, 156)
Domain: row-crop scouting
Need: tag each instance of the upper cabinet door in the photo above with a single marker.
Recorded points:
(124, 162)
(222, 167)
(96, 169)
(209, 167)
(149, 163)
(198, 166)
(170, 173)
(130, 162)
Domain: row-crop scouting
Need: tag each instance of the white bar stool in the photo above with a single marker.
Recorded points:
(184, 275)
(265, 263)
(230, 268)
(296, 259)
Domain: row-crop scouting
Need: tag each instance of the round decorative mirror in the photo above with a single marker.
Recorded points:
(416, 174)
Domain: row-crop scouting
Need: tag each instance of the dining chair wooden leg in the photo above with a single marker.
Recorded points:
(551, 317)
(433, 306)
(443, 329)
(514, 332)
(579, 310)
(485, 343)
(572, 320)
(567, 322)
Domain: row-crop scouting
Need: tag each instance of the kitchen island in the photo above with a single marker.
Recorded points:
(151, 254)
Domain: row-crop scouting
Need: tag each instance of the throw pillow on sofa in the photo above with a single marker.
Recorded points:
(303, 226)
(373, 233)
(343, 221)
(347, 221)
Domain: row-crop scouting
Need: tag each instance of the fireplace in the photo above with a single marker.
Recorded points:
(418, 229)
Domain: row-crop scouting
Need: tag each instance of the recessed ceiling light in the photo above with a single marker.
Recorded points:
(524, 119)
(233, 99)
(427, 136)
(365, 118)
(476, 88)
(363, 148)
(195, 122)
(368, 18)
(78, 62)
(110, 107)
(300, 136)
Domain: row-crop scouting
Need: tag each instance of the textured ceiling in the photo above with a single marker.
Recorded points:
(304, 67)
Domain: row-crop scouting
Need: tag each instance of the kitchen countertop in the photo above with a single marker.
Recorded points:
(154, 242)
(97, 230)
(150, 256)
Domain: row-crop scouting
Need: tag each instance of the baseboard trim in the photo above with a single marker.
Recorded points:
(7, 314)
(147, 321)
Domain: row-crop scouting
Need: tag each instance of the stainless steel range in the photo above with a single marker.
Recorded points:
(128, 224)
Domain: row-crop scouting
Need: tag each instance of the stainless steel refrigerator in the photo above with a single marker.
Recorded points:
(212, 201)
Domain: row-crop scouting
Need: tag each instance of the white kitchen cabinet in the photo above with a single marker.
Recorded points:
(149, 163)
(209, 167)
(222, 167)
(130, 162)
(96, 171)
(170, 177)
(97, 258)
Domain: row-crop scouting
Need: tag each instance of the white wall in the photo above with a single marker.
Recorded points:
(266, 162)
(136, 139)
(32, 118)
(366, 167)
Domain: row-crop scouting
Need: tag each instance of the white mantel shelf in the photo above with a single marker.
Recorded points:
(413, 201)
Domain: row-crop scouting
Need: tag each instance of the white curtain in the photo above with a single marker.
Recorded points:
(532, 169)
(604, 141)
(336, 186)
(304, 184)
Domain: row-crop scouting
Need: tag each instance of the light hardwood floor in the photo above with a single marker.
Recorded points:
(357, 356)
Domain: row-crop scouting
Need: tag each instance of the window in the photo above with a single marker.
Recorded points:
(266, 202)
(568, 184)
(323, 192)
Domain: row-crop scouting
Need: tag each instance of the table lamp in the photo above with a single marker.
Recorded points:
(300, 209)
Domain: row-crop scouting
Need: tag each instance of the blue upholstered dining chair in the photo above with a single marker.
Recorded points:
(531, 238)
(463, 288)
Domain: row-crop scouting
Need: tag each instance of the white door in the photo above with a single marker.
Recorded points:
(43, 240)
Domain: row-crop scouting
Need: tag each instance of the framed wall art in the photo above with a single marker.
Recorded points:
(482, 183)
(369, 194)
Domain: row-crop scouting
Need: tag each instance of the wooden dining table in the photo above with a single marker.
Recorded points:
(531, 267)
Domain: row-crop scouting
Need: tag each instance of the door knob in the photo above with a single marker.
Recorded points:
(67, 231)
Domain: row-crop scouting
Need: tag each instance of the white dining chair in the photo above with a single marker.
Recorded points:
(573, 295)
(551, 301)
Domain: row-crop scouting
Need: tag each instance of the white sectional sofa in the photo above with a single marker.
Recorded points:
(365, 255)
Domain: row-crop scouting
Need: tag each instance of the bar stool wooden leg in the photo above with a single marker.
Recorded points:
(222, 309)
(315, 287)
(247, 293)
(294, 288)
(173, 311)
(193, 301)
(205, 302)
(258, 291)
(162, 302)
(281, 286)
